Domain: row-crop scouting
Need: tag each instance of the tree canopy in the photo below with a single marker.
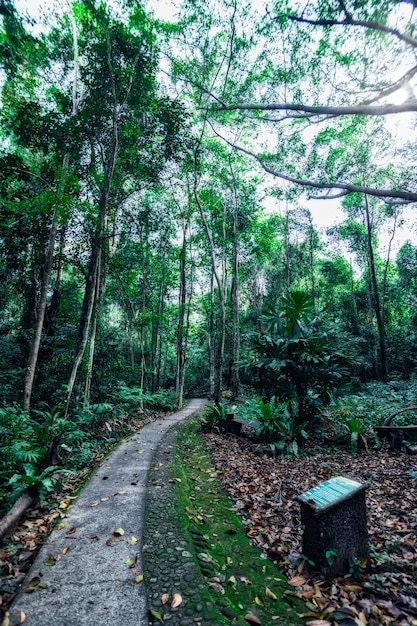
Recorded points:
(156, 175)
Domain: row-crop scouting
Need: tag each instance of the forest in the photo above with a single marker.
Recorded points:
(159, 178)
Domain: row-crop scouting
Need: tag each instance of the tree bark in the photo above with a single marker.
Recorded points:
(181, 357)
(234, 298)
(9, 522)
(374, 282)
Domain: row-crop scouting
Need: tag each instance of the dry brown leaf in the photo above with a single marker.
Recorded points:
(270, 594)
(22, 616)
(164, 598)
(176, 600)
(297, 581)
(252, 619)
(319, 622)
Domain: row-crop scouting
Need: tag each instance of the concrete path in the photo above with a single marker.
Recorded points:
(92, 582)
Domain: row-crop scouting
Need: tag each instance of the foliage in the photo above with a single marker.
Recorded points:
(134, 397)
(18, 432)
(213, 413)
(298, 360)
(278, 426)
(43, 482)
(357, 432)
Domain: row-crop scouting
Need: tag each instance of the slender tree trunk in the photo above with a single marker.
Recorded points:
(374, 282)
(372, 332)
(49, 256)
(157, 326)
(234, 297)
(180, 369)
(218, 380)
(287, 251)
(311, 261)
(211, 339)
(98, 241)
(40, 316)
(96, 312)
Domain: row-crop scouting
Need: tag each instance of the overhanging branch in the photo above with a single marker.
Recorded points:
(359, 109)
(349, 21)
(405, 196)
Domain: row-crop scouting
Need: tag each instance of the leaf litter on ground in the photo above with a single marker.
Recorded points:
(263, 491)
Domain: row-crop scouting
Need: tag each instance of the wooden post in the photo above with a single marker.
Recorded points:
(335, 535)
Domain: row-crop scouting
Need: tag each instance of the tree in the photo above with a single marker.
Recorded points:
(353, 61)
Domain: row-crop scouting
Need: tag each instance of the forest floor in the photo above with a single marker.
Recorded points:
(263, 491)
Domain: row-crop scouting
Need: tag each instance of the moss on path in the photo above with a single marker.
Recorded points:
(252, 585)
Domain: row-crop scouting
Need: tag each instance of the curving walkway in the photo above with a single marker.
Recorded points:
(93, 581)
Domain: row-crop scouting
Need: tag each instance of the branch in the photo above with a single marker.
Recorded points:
(329, 196)
(406, 196)
(349, 21)
(394, 87)
(357, 109)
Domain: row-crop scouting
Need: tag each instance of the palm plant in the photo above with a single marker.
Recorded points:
(298, 360)
(277, 426)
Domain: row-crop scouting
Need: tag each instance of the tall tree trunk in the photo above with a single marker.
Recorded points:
(156, 343)
(218, 379)
(211, 339)
(40, 316)
(374, 282)
(234, 298)
(142, 330)
(96, 312)
(180, 369)
(99, 238)
(49, 256)
(288, 280)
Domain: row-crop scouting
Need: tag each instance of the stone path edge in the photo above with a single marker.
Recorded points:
(169, 563)
(92, 581)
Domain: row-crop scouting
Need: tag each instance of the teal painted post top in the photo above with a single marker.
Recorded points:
(331, 492)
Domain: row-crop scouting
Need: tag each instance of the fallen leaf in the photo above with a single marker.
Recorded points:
(297, 581)
(252, 619)
(245, 581)
(6, 621)
(157, 615)
(217, 588)
(22, 616)
(259, 601)
(119, 532)
(319, 622)
(32, 584)
(132, 541)
(139, 578)
(164, 598)
(176, 600)
(270, 594)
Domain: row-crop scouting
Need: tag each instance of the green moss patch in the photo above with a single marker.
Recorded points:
(245, 586)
